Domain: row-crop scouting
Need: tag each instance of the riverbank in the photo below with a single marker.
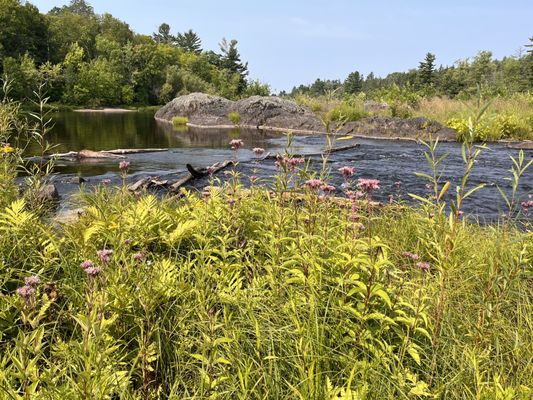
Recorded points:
(279, 283)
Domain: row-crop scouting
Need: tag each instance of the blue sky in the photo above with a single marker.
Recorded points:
(296, 41)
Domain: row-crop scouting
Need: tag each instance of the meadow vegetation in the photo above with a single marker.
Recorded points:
(257, 293)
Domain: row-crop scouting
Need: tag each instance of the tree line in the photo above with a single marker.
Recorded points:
(91, 59)
(462, 79)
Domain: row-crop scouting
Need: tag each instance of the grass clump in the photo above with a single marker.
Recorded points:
(180, 122)
(234, 117)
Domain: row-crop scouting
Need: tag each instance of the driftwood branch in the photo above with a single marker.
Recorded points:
(193, 174)
(96, 155)
(270, 156)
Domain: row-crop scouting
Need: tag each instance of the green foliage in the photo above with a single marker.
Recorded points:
(234, 117)
(353, 83)
(347, 111)
(426, 70)
(180, 121)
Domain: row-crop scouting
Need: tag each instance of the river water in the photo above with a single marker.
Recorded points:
(387, 160)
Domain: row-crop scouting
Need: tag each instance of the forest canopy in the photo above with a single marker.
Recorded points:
(92, 59)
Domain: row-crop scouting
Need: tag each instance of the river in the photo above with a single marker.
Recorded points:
(387, 160)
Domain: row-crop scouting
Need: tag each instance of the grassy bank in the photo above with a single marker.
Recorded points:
(255, 294)
(240, 293)
(504, 118)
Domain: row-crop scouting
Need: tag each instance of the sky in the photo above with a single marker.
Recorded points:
(290, 42)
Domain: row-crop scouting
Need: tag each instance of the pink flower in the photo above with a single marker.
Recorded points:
(86, 264)
(424, 266)
(92, 272)
(236, 144)
(106, 181)
(526, 205)
(253, 179)
(410, 255)
(347, 171)
(258, 151)
(354, 195)
(368, 185)
(138, 256)
(328, 188)
(32, 281)
(104, 255)
(313, 183)
(124, 165)
(26, 292)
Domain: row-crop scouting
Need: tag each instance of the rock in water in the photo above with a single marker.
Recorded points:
(256, 111)
(48, 194)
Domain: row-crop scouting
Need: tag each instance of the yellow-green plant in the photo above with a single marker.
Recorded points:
(234, 117)
(180, 122)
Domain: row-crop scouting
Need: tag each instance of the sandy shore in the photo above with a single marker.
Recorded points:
(104, 110)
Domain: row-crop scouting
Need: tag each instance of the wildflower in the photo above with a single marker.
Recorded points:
(347, 171)
(236, 144)
(104, 255)
(32, 281)
(124, 165)
(86, 264)
(26, 292)
(327, 188)
(127, 242)
(526, 205)
(253, 179)
(106, 181)
(424, 266)
(258, 151)
(92, 272)
(6, 149)
(138, 256)
(354, 195)
(368, 185)
(429, 186)
(313, 183)
(410, 255)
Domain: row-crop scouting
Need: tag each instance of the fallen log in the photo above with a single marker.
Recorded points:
(201, 173)
(133, 151)
(326, 152)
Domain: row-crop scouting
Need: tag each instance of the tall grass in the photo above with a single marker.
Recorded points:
(267, 294)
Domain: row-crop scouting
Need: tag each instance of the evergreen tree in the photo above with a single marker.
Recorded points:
(189, 41)
(163, 35)
(353, 83)
(231, 61)
(79, 7)
(426, 70)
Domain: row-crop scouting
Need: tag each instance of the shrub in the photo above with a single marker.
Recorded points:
(234, 117)
(346, 112)
(180, 122)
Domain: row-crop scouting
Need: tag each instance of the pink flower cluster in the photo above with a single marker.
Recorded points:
(289, 162)
(124, 165)
(410, 255)
(313, 184)
(90, 269)
(104, 255)
(236, 144)
(347, 171)
(28, 290)
(424, 266)
(258, 151)
(368, 185)
(526, 205)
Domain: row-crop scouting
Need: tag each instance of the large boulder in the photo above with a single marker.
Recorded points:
(277, 113)
(199, 108)
(256, 111)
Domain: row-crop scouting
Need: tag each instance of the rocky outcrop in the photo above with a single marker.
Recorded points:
(256, 111)
(275, 113)
(400, 128)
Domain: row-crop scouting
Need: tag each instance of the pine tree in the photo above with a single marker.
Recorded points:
(189, 41)
(426, 70)
(231, 60)
(163, 35)
(353, 83)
